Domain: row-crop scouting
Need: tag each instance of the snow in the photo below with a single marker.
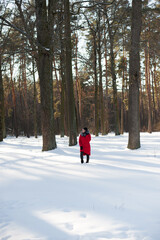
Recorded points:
(51, 196)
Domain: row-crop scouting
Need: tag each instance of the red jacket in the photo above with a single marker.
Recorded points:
(84, 141)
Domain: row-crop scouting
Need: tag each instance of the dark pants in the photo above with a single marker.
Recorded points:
(82, 158)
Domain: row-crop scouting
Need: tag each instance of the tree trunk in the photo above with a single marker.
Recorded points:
(44, 37)
(106, 77)
(96, 87)
(63, 129)
(123, 83)
(122, 105)
(114, 85)
(63, 90)
(156, 90)
(134, 76)
(2, 117)
(126, 97)
(78, 82)
(153, 96)
(101, 100)
(57, 81)
(35, 100)
(148, 87)
(24, 108)
(14, 100)
(78, 89)
(69, 79)
(21, 98)
(24, 80)
(62, 106)
(140, 103)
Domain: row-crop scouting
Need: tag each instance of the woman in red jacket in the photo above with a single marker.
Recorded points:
(84, 143)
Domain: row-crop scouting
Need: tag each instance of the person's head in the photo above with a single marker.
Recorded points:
(84, 130)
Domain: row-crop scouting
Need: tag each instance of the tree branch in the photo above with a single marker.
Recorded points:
(14, 26)
(94, 5)
(25, 34)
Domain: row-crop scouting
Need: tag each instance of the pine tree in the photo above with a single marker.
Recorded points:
(44, 36)
(134, 76)
(1, 104)
(69, 78)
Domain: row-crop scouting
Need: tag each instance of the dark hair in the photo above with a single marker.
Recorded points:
(86, 129)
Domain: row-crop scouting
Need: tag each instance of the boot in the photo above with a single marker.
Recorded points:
(82, 157)
(87, 159)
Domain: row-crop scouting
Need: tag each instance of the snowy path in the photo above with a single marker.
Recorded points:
(51, 196)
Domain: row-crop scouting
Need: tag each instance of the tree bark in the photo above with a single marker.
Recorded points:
(15, 125)
(122, 105)
(114, 85)
(106, 77)
(45, 59)
(140, 104)
(25, 94)
(35, 99)
(63, 91)
(134, 76)
(57, 81)
(62, 119)
(96, 87)
(62, 74)
(101, 100)
(2, 117)
(122, 96)
(148, 87)
(156, 90)
(21, 96)
(153, 97)
(69, 78)
(78, 88)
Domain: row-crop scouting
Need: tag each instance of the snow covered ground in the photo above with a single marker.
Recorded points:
(51, 196)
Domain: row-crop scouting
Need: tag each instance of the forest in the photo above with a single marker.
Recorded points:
(66, 64)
